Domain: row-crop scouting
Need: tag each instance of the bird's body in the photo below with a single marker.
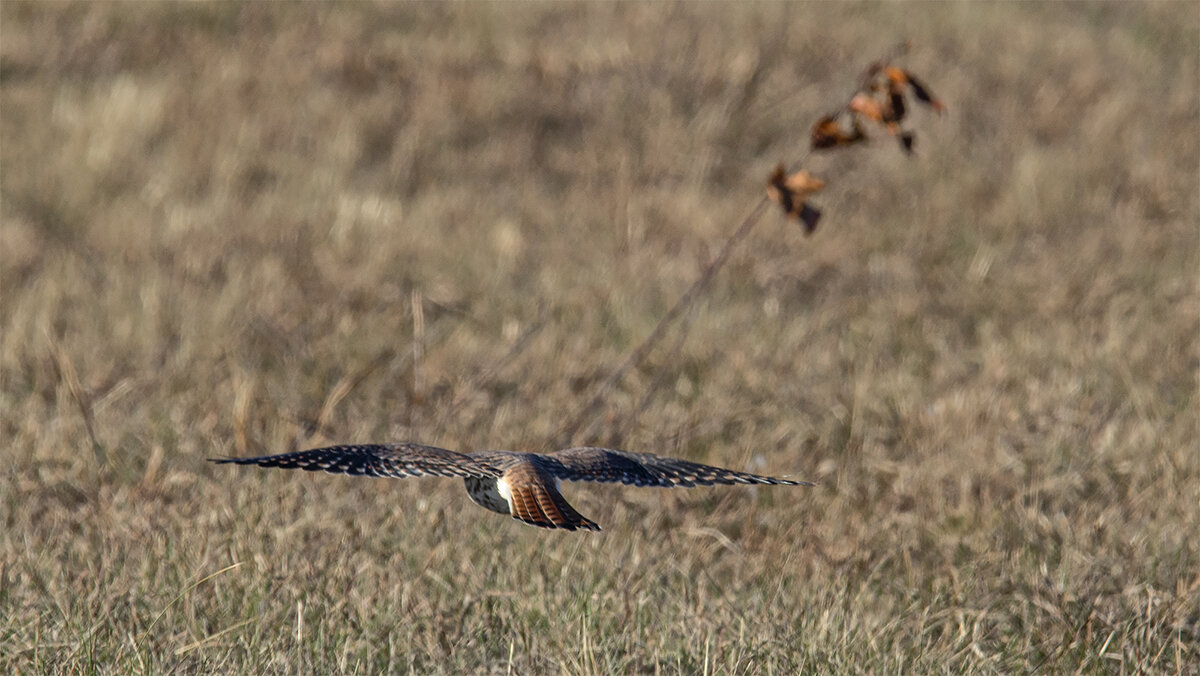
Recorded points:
(524, 485)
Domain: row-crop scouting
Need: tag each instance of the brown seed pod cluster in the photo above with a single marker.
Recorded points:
(880, 99)
(790, 190)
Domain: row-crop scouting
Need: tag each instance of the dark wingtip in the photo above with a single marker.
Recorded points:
(781, 481)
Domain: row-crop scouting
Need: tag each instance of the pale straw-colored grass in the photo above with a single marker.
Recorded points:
(218, 217)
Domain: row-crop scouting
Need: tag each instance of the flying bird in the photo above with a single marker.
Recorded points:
(524, 485)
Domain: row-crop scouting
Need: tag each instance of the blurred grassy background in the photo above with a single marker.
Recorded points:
(216, 221)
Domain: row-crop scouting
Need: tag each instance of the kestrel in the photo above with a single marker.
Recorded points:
(524, 485)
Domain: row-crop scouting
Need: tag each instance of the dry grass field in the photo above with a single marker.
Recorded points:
(235, 229)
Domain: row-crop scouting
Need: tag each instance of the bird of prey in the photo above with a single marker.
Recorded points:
(524, 485)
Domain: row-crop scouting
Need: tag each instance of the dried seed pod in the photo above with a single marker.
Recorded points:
(898, 79)
(884, 113)
(827, 133)
(789, 192)
(867, 106)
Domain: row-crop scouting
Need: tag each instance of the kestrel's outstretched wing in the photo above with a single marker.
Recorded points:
(605, 465)
(379, 460)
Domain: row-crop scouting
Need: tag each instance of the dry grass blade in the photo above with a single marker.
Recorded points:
(575, 429)
(347, 384)
(660, 378)
(310, 426)
(487, 375)
(187, 590)
(66, 372)
(211, 638)
(418, 346)
(242, 400)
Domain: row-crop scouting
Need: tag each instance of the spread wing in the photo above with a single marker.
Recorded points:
(605, 465)
(379, 460)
